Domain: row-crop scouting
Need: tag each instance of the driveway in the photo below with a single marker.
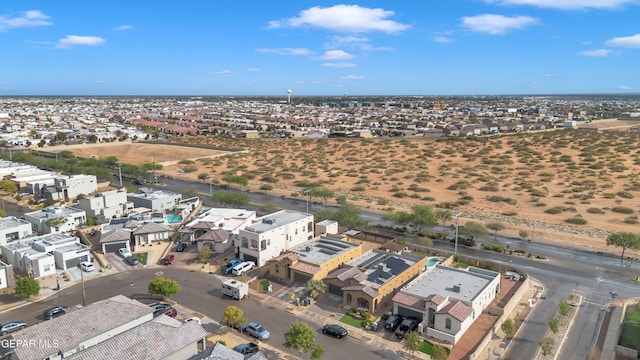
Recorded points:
(118, 264)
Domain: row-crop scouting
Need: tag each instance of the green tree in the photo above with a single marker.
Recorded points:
(553, 325)
(203, 177)
(495, 227)
(439, 353)
(564, 308)
(547, 346)
(8, 186)
(268, 207)
(241, 181)
(26, 287)
(265, 188)
(233, 316)
(473, 230)
(421, 216)
(204, 255)
(316, 287)
(412, 342)
(190, 191)
(163, 287)
(443, 215)
(524, 234)
(508, 327)
(425, 241)
(55, 222)
(324, 194)
(230, 198)
(624, 240)
(348, 216)
(301, 337)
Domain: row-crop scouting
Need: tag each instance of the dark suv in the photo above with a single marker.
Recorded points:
(393, 322)
(54, 312)
(406, 326)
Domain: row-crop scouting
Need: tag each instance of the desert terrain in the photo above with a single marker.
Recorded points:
(568, 186)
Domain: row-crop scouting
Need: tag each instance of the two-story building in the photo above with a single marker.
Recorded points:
(271, 235)
(106, 205)
(12, 228)
(216, 228)
(7, 278)
(156, 200)
(446, 300)
(70, 186)
(54, 219)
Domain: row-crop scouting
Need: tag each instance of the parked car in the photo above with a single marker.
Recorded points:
(87, 266)
(181, 247)
(132, 260)
(11, 326)
(124, 252)
(159, 306)
(230, 265)
(335, 331)
(247, 349)
(169, 260)
(406, 326)
(168, 311)
(393, 322)
(243, 268)
(196, 319)
(54, 312)
(256, 330)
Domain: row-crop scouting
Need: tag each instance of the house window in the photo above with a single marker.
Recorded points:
(47, 268)
(277, 268)
(12, 236)
(263, 245)
(447, 324)
(254, 244)
(296, 231)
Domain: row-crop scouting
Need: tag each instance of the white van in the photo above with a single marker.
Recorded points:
(243, 268)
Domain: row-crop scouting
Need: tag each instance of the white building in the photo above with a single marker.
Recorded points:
(270, 235)
(156, 200)
(447, 300)
(69, 187)
(106, 205)
(206, 228)
(6, 275)
(67, 252)
(12, 228)
(55, 219)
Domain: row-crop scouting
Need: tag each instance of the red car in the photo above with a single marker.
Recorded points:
(169, 260)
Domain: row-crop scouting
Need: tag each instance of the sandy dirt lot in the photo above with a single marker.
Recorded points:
(570, 186)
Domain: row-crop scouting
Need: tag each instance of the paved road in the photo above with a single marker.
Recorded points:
(199, 292)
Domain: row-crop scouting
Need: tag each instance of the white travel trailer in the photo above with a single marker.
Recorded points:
(235, 289)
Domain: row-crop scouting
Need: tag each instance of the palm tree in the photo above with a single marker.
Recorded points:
(316, 287)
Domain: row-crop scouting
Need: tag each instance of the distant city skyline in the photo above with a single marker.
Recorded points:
(379, 48)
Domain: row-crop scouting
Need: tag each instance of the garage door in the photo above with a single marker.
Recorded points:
(405, 312)
(114, 247)
(76, 261)
(303, 278)
(335, 290)
(250, 258)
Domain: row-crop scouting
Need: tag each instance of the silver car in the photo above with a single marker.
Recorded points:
(12, 326)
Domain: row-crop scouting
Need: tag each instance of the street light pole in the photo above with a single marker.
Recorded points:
(120, 172)
(307, 193)
(210, 187)
(455, 250)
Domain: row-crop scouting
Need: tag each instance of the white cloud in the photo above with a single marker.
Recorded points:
(31, 18)
(496, 24)
(286, 51)
(124, 27)
(596, 53)
(339, 65)
(624, 87)
(343, 18)
(253, 69)
(566, 4)
(38, 42)
(443, 39)
(224, 72)
(336, 55)
(632, 41)
(549, 75)
(352, 77)
(75, 40)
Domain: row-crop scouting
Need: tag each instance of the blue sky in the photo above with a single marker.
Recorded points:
(422, 47)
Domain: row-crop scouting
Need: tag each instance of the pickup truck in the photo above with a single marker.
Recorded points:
(247, 349)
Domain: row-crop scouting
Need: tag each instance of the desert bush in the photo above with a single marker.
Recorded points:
(622, 210)
(595, 211)
(576, 221)
(625, 194)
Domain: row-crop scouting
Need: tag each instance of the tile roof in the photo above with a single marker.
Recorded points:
(347, 273)
(288, 255)
(218, 235)
(305, 268)
(436, 299)
(364, 288)
(459, 310)
(151, 227)
(116, 235)
(143, 342)
(413, 301)
(81, 324)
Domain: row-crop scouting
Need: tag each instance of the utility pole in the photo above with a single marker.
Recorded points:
(84, 296)
(120, 172)
(455, 250)
(307, 193)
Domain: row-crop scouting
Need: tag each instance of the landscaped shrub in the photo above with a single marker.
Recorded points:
(595, 211)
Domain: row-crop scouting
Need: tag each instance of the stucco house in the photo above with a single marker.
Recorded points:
(148, 233)
(12, 228)
(55, 219)
(216, 228)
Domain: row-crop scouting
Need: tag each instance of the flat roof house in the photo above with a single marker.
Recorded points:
(67, 251)
(314, 259)
(156, 200)
(12, 228)
(55, 219)
(216, 228)
(271, 235)
(7, 278)
(373, 278)
(446, 300)
(106, 205)
(70, 186)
